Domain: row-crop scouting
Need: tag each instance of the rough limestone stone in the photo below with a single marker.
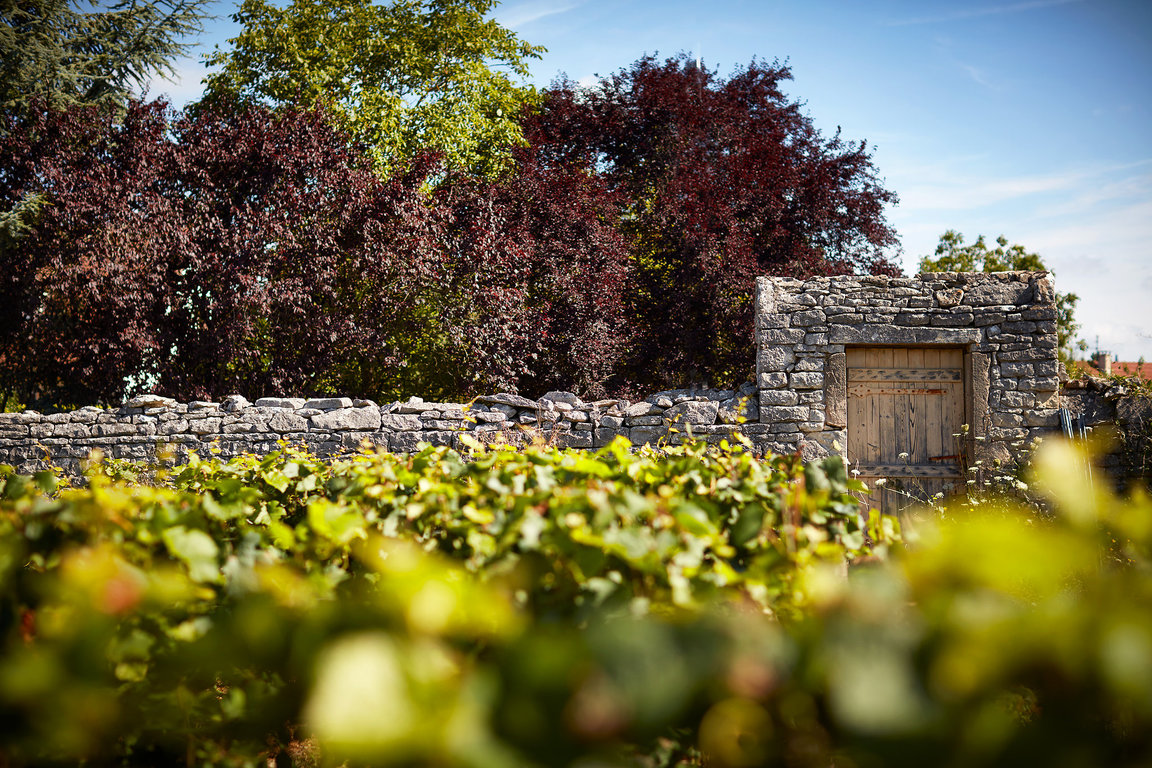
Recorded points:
(693, 412)
(563, 397)
(949, 298)
(836, 391)
(642, 409)
(284, 421)
(364, 418)
(328, 403)
(281, 402)
(149, 401)
(806, 380)
(772, 380)
(774, 359)
(778, 397)
(209, 426)
(646, 435)
(503, 398)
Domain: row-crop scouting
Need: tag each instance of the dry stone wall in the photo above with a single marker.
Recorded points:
(1005, 323)
(145, 425)
(1121, 415)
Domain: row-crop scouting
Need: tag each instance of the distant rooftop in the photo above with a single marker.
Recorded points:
(1106, 364)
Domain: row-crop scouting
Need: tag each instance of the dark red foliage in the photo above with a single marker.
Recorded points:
(251, 253)
(719, 181)
(537, 274)
(299, 261)
(258, 253)
(81, 289)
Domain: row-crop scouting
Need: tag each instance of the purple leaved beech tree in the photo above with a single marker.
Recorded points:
(82, 274)
(257, 252)
(538, 271)
(253, 252)
(717, 181)
(303, 271)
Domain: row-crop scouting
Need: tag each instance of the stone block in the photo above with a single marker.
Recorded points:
(895, 334)
(366, 418)
(912, 318)
(778, 397)
(806, 318)
(810, 364)
(952, 319)
(291, 403)
(234, 403)
(602, 436)
(836, 391)
(435, 437)
(990, 292)
(149, 401)
(328, 403)
(563, 397)
(642, 409)
(503, 398)
(646, 435)
(949, 298)
(286, 421)
(774, 414)
(1039, 313)
(693, 412)
(122, 429)
(404, 442)
(774, 359)
(1042, 417)
(773, 336)
(1016, 370)
(803, 380)
(1018, 400)
(447, 425)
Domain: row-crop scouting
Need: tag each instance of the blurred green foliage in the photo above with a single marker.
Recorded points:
(543, 607)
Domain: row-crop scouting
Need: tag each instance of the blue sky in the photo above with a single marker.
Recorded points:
(1027, 118)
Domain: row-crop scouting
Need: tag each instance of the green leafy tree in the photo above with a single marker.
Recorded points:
(404, 77)
(52, 51)
(954, 255)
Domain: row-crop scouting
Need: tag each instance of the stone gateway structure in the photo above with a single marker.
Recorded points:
(914, 379)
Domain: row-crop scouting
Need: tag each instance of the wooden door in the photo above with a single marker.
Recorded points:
(905, 409)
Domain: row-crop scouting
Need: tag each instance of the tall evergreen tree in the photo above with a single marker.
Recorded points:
(54, 51)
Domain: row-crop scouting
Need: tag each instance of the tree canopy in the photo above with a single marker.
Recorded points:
(52, 51)
(257, 251)
(404, 77)
(717, 180)
(954, 255)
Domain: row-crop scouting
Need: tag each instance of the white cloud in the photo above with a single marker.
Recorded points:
(981, 77)
(957, 192)
(516, 16)
(974, 13)
(1092, 227)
